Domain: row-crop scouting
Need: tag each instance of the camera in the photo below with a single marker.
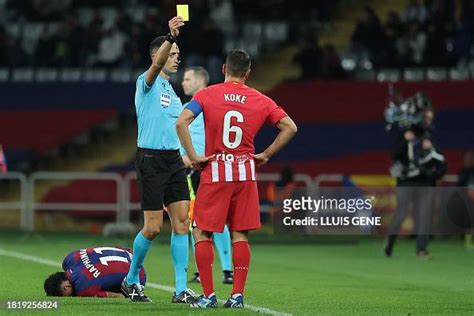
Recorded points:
(413, 159)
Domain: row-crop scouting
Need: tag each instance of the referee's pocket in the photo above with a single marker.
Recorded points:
(147, 165)
(139, 160)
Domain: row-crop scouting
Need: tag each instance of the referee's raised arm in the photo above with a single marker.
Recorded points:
(160, 56)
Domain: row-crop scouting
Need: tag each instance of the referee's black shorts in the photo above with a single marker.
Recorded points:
(161, 178)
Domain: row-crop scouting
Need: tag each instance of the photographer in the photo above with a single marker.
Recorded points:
(417, 166)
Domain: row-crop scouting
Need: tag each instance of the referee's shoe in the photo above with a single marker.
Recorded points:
(134, 292)
(186, 296)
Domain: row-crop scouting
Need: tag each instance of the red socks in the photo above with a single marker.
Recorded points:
(204, 261)
(241, 261)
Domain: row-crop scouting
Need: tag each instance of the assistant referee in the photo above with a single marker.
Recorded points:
(161, 173)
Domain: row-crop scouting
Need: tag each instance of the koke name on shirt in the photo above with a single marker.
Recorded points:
(232, 97)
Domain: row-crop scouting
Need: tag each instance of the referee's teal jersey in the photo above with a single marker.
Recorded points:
(158, 108)
(196, 129)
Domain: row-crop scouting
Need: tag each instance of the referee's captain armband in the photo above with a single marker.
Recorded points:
(194, 107)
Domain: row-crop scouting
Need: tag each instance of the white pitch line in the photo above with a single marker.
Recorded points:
(166, 288)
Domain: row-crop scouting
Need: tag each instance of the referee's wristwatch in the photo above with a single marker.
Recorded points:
(170, 38)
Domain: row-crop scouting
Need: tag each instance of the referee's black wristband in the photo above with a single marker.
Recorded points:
(170, 38)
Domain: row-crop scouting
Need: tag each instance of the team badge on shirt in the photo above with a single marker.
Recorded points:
(165, 100)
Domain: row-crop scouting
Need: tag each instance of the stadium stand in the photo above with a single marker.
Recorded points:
(79, 33)
(67, 125)
(31, 129)
(61, 52)
(345, 135)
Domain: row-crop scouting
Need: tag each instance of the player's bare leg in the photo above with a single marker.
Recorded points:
(241, 261)
(178, 212)
(204, 260)
(238, 236)
(153, 220)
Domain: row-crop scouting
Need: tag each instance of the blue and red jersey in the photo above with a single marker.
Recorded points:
(95, 271)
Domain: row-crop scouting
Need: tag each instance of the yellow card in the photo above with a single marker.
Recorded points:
(182, 10)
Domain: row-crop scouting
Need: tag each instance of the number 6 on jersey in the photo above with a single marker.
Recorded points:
(228, 128)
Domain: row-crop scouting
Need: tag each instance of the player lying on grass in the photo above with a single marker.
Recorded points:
(92, 272)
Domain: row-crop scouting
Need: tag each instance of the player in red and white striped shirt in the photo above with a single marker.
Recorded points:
(233, 114)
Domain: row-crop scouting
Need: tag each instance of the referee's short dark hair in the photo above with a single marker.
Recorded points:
(200, 72)
(156, 43)
(237, 62)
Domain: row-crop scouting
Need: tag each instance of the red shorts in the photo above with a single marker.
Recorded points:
(234, 203)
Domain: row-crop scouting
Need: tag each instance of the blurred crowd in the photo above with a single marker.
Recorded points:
(318, 62)
(427, 33)
(432, 33)
(66, 40)
(115, 34)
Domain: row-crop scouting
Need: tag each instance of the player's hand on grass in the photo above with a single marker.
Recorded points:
(200, 161)
(174, 24)
(260, 159)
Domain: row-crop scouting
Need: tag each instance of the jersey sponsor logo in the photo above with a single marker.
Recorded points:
(165, 100)
(225, 157)
(241, 165)
(231, 157)
(234, 97)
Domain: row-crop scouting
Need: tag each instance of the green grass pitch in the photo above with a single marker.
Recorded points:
(316, 279)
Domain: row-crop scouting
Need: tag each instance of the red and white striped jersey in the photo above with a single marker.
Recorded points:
(233, 114)
(228, 171)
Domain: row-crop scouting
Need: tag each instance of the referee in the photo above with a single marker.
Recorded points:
(161, 173)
